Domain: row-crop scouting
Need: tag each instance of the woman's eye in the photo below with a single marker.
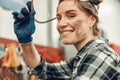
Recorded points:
(71, 16)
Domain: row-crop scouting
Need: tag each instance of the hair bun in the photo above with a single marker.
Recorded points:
(96, 2)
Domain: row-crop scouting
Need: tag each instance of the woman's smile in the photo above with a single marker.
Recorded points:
(65, 33)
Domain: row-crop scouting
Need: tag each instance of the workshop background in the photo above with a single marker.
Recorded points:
(46, 37)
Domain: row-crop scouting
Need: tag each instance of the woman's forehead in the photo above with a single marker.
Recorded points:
(67, 5)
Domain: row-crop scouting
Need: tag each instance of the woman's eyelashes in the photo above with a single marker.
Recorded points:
(68, 16)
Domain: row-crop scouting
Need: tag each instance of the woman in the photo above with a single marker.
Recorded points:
(77, 25)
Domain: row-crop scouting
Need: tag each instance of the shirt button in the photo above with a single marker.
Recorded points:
(77, 58)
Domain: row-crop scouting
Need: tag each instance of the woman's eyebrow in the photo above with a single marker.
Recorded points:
(66, 12)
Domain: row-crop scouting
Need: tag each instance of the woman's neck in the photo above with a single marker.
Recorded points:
(83, 42)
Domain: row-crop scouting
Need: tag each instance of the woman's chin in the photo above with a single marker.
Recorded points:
(67, 42)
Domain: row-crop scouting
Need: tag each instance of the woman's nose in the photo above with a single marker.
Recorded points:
(62, 23)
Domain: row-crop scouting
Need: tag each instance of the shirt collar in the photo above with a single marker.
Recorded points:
(92, 42)
(86, 49)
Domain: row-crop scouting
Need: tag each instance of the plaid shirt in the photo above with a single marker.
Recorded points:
(95, 61)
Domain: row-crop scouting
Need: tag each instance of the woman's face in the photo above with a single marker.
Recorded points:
(74, 25)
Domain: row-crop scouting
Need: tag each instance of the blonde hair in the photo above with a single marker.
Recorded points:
(89, 9)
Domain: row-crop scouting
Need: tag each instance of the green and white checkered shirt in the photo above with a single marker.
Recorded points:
(95, 61)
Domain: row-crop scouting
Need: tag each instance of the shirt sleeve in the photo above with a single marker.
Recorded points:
(53, 71)
(39, 71)
(100, 64)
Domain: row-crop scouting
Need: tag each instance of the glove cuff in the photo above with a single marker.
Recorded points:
(25, 40)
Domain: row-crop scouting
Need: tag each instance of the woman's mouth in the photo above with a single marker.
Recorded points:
(66, 33)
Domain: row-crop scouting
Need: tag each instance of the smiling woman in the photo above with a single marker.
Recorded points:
(77, 25)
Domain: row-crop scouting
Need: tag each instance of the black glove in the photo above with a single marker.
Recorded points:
(24, 25)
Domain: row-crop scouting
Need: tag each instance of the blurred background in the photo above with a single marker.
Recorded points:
(46, 34)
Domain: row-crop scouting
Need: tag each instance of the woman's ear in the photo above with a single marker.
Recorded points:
(92, 21)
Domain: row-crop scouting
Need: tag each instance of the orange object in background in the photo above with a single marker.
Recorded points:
(115, 47)
(10, 60)
(52, 55)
